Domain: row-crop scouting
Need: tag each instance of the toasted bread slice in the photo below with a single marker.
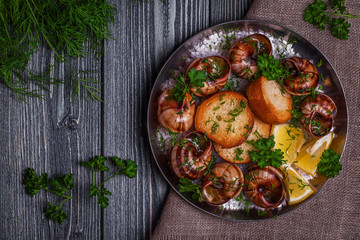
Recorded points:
(224, 118)
(239, 154)
(268, 101)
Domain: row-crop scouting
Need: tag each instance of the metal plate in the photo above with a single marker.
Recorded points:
(304, 48)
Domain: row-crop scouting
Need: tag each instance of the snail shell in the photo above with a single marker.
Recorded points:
(318, 114)
(190, 159)
(217, 69)
(178, 117)
(303, 76)
(264, 186)
(224, 183)
(243, 54)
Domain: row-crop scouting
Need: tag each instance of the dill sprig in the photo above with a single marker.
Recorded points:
(64, 27)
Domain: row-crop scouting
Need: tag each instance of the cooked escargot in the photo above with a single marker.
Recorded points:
(217, 70)
(264, 186)
(174, 115)
(318, 114)
(224, 183)
(190, 157)
(243, 55)
(303, 76)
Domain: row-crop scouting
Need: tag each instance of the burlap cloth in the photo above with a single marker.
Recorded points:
(334, 213)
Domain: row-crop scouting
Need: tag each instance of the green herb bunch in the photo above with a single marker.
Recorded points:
(264, 155)
(316, 14)
(329, 164)
(64, 27)
(60, 186)
(96, 164)
(182, 87)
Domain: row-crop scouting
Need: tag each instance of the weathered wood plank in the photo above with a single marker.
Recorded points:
(50, 136)
(145, 35)
(228, 10)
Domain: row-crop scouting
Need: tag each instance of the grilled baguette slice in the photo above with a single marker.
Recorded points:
(223, 118)
(268, 101)
(239, 154)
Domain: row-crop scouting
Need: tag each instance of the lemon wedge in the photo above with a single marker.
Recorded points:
(298, 189)
(310, 154)
(289, 139)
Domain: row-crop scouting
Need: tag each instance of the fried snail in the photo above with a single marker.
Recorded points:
(174, 115)
(303, 76)
(222, 184)
(190, 157)
(318, 114)
(243, 54)
(264, 186)
(217, 70)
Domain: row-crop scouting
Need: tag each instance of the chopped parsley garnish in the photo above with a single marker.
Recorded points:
(248, 128)
(264, 155)
(214, 127)
(329, 164)
(238, 152)
(173, 137)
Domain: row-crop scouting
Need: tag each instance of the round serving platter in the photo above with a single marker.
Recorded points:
(212, 41)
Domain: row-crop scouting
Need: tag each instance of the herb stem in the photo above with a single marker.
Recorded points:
(341, 15)
(41, 29)
(108, 179)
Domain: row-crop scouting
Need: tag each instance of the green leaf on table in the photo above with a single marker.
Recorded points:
(34, 183)
(55, 213)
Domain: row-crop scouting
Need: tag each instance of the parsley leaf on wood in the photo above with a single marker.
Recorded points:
(329, 164)
(60, 186)
(186, 185)
(96, 164)
(264, 155)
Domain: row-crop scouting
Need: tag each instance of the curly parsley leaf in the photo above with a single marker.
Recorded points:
(339, 26)
(264, 155)
(329, 164)
(314, 14)
(338, 5)
(125, 167)
(271, 68)
(197, 78)
(55, 213)
(34, 183)
(180, 88)
(96, 164)
(186, 185)
(60, 186)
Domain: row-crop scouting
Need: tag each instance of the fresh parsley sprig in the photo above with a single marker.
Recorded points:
(60, 186)
(182, 87)
(316, 14)
(264, 155)
(96, 164)
(186, 185)
(329, 164)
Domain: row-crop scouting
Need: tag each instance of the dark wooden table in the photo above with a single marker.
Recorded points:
(53, 136)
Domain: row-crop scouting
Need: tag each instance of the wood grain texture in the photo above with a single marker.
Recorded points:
(53, 136)
(50, 136)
